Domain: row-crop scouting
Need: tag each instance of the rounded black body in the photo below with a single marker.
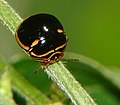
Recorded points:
(42, 37)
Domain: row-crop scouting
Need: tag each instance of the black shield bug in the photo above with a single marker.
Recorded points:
(42, 37)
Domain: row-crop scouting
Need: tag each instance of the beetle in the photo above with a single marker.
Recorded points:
(42, 37)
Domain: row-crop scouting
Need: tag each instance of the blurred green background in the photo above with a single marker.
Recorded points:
(91, 25)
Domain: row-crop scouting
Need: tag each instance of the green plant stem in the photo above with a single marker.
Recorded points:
(67, 83)
(59, 74)
(8, 16)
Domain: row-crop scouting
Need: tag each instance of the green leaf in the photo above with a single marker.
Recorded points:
(104, 95)
(101, 83)
(112, 75)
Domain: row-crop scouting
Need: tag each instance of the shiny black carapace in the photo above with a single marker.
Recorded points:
(42, 37)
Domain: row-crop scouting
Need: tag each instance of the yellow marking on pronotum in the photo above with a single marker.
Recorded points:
(60, 47)
(42, 55)
(30, 49)
(35, 42)
(59, 31)
(52, 61)
(51, 56)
